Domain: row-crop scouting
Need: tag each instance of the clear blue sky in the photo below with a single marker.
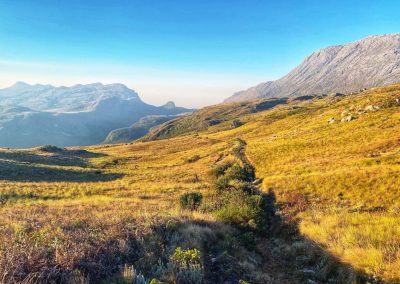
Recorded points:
(193, 52)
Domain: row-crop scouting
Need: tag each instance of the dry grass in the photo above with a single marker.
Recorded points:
(348, 172)
(82, 214)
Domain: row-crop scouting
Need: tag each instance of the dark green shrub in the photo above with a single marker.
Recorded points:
(222, 183)
(50, 149)
(219, 169)
(241, 185)
(242, 210)
(191, 200)
(249, 170)
(193, 159)
(240, 173)
(248, 240)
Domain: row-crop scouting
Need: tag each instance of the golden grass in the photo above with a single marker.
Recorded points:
(347, 174)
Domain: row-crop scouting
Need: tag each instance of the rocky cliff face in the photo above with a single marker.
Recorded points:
(370, 62)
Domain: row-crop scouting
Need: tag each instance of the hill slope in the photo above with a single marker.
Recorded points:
(327, 210)
(137, 130)
(222, 116)
(370, 62)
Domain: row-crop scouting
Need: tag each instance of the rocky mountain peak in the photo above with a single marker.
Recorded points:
(370, 62)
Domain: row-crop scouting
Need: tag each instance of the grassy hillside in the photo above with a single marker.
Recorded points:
(224, 116)
(136, 130)
(323, 205)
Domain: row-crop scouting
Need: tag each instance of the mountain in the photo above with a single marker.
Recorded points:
(32, 115)
(370, 62)
(138, 129)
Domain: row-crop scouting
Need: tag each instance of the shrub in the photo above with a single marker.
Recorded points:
(193, 159)
(241, 185)
(248, 240)
(237, 172)
(187, 266)
(50, 149)
(220, 169)
(191, 200)
(186, 258)
(222, 183)
(242, 210)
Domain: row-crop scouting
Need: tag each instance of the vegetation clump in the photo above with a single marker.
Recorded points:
(191, 200)
(193, 159)
(187, 266)
(50, 149)
(242, 209)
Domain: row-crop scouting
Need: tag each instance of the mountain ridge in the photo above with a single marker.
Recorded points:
(366, 63)
(33, 115)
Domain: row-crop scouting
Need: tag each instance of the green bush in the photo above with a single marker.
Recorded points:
(245, 173)
(240, 185)
(50, 149)
(191, 200)
(220, 169)
(222, 183)
(236, 172)
(187, 267)
(242, 210)
(186, 258)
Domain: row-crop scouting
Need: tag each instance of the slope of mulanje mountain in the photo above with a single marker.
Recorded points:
(224, 116)
(301, 190)
(32, 115)
(370, 62)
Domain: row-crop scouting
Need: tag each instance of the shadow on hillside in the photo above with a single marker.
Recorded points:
(61, 157)
(22, 172)
(269, 104)
(287, 250)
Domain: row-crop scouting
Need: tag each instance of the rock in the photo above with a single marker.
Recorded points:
(344, 113)
(331, 120)
(371, 108)
(347, 118)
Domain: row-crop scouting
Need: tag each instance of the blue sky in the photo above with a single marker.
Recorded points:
(193, 52)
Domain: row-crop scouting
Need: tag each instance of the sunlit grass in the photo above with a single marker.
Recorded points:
(346, 175)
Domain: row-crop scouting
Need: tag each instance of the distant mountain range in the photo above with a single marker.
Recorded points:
(32, 115)
(370, 62)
